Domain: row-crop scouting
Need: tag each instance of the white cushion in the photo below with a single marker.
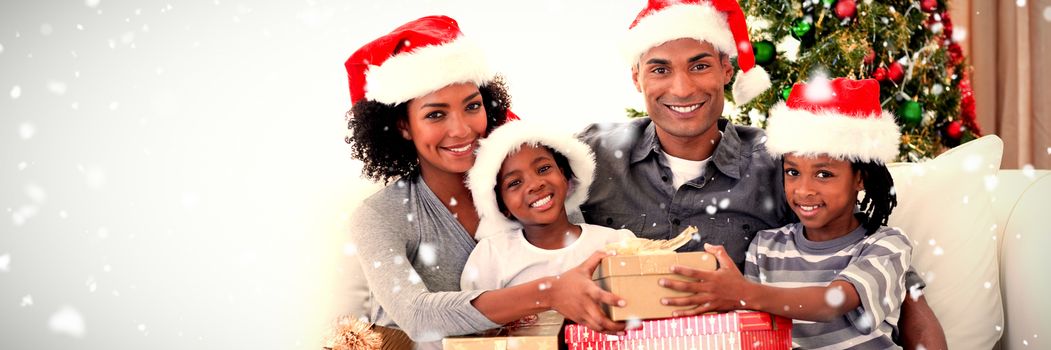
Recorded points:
(944, 206)
(1024, 260)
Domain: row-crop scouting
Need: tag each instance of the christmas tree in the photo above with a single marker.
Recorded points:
(907, 45)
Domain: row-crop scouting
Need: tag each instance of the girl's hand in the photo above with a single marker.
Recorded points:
(574, 295)
(724, 289)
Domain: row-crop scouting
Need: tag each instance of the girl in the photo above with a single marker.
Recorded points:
(423, 97)
(839, 272)
(526, 181)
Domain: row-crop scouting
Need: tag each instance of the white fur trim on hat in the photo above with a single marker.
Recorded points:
(701, 22)
(410, 75)
(749, 85)
(507, 139)
(847, 137)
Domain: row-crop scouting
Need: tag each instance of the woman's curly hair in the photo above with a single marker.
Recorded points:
(376, 141)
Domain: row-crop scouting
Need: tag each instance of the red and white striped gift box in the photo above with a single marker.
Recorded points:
(732, 330)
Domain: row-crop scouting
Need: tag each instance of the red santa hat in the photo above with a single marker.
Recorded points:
(719, 22)
(415, 59)
(841, 118)
(507, 139)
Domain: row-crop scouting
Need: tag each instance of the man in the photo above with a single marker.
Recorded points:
(684, 165)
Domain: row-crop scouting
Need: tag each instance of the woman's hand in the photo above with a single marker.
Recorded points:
(724, 289)
(574, 295)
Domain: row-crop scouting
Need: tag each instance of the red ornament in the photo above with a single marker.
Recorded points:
(955, 54)
(870, 57)
(896, 73)
(946, 25)
(954, 129)
(880, 74)
(967, 106)
(929, 6)
(846, 9)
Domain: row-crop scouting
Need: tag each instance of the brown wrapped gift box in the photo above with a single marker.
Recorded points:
(634, 278)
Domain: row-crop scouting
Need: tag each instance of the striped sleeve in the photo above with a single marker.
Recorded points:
(751, 264)
(878, 274)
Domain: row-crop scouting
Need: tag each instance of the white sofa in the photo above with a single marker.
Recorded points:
(979, 239)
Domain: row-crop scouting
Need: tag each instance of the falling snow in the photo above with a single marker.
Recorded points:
(835, 297)
(67, 321)
(27, 301)
(1047, 17)
(350, 249)
(711, 209)
(5, 263)
(16, 92)
(427, 254)
(57, 87)
(26, 131)
(819, 89)
(1029, 171)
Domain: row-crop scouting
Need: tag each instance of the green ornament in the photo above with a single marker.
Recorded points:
(764, 52)
(828, 3)
(786, 92)
(911, 113)
(800, 28)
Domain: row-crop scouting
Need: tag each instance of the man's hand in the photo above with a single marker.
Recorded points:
(724, 289)
(574, 295)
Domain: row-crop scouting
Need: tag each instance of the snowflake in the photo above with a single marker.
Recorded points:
(27, 300)
(5, 263)
(819, 89)
(67, 321)
(414, 277)
(991, 181)
(16, 92)
(427, 254)
(57, 87)
(350, 249)
(835, 297)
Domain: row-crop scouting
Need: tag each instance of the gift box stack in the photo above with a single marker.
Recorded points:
(632, 274)
(732, 330)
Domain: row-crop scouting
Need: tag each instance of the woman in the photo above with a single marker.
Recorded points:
(423, 97)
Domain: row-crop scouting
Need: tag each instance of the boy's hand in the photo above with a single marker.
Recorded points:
(577, 297)
(724, 289)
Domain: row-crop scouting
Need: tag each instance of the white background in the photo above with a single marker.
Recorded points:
(174, 173)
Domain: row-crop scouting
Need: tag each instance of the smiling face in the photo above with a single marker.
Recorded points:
(533, 188)
(444, 127)
(822, 192)
(682, 82)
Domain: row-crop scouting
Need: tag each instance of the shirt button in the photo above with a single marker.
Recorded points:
(675, 222)
(609, 221)
(746, 227)
(664, 178)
